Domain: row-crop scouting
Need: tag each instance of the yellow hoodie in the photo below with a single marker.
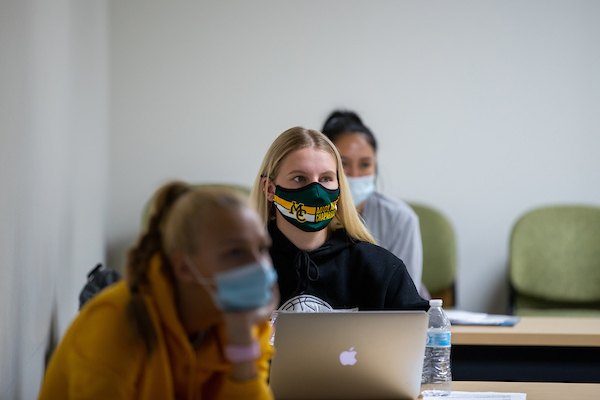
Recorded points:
(97, 360)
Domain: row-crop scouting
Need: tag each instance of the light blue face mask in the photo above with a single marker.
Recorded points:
(243, 288)
(361, 188)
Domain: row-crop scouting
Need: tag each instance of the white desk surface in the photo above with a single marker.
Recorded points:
(535, 390)
(532, 331)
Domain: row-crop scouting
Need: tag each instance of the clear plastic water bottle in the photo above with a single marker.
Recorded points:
(437, 374)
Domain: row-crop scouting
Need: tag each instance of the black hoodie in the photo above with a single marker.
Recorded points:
(341, 274)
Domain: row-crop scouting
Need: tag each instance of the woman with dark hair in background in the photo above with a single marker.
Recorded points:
(393, 224)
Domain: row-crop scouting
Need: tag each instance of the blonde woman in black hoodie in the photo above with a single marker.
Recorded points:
(325, 257)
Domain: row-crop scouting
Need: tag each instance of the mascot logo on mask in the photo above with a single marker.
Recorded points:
(299, 210)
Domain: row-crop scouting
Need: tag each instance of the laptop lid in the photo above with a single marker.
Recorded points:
(349, 355)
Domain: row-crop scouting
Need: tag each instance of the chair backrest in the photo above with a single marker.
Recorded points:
(555, 258)
(439, 253)
(242, 190)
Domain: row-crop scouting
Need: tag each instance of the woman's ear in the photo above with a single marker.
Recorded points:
(181, 268)
(268, 188)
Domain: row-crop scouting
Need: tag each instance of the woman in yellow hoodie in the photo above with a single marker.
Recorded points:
(190, 321)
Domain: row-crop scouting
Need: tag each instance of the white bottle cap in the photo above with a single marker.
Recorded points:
(436, 302)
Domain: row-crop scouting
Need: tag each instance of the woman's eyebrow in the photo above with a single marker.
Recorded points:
(230, 241)
(296, 171)
(302, 172)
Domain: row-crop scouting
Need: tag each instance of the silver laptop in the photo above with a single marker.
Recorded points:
(350, 355)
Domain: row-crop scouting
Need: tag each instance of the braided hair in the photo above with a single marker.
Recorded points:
(149, 244)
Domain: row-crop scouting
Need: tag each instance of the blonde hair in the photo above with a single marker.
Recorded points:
(176, 219)
(298, 138)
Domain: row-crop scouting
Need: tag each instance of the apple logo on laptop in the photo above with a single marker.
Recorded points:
(348, 357)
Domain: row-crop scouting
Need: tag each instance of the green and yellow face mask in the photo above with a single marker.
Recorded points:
(309, 208)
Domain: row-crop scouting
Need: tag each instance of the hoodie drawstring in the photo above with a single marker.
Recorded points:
(303, 261)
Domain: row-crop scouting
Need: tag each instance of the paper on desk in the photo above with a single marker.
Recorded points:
(480, 396)
(458, 317)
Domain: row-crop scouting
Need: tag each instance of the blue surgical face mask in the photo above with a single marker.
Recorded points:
(243, 288)
(361, 188)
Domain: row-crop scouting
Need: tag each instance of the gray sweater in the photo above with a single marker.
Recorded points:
(395, 227)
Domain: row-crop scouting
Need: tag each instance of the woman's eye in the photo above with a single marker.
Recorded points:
(365, 165)
(326, 179)
(234, 253)
(299, 179)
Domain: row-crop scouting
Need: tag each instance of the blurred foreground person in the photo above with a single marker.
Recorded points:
(189, 321)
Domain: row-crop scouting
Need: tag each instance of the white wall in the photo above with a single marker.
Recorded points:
(482, 109)
(53, 174)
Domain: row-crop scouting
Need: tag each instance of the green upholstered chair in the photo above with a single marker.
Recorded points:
(439, 253)
(554, 265)
(242, 190)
